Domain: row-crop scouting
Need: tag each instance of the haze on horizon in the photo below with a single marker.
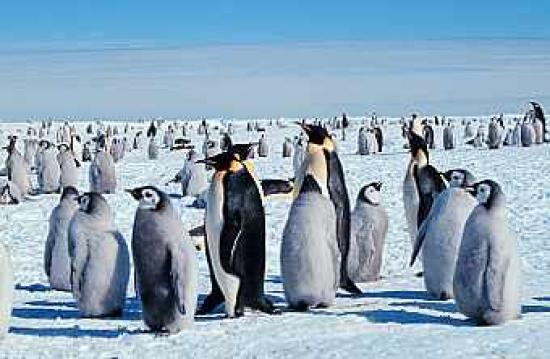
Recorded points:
(246, 59)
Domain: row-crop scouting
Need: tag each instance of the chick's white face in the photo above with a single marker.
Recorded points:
(149, 199)
(372, 195)
(483, 193)
(457, 179)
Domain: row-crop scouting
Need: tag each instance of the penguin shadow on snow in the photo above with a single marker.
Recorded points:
(402, 316)
(395, 294)
(439, 306)
(70, 332)
(35, 287)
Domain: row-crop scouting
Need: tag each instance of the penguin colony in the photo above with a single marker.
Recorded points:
(457, 224)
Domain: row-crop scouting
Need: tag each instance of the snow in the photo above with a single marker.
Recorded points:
(392, 319)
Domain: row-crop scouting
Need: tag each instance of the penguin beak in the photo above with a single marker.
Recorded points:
(378, 186)
(135, 192)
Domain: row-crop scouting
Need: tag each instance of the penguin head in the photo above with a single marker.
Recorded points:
(318, 135)
(222, 161)
(69, 193)
(93, 203)
(488, 193)
(417, 145)
(242, 150)
(459, 178)
(63, 147)
(149, 197)
(370, 193)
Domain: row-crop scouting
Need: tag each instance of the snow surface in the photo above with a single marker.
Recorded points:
(392, 319)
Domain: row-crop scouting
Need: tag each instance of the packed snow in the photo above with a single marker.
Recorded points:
(393, 318)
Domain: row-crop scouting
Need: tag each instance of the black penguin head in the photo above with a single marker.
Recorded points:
(488, 193)
(69, 193)
(370, 193)
(417, 144)
(63, 147)
(242, 150)
(94, 204)
(459, 178)
(149, 197)
(221, 161)
(316, 134)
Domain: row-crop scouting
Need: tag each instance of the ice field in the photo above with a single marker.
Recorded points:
(393, 318)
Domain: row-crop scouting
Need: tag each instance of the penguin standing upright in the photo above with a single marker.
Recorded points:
(235, 237)
(49, 172)
(310, 258)
(18, 169)
(192, 176)
(369, 226)
(493, 135)
(287, 148)
(321, 154)
(299, 154)
(102, 172)
(165, 263)
(263, 147)
(67, 166)
(440, 234)
(153, 150)
(487, 280)
(57, 263)
(448, 137)
(379, 135)
(527, 134)
(539, 115)
(6, 289)
(100, 260)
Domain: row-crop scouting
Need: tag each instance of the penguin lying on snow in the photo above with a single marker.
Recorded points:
(57, 263)
(487, 280)
(310, 258)
(235, 237)
(100, 261)
(440, 234)
(165, 263)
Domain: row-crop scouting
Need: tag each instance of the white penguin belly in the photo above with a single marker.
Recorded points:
(229, 283)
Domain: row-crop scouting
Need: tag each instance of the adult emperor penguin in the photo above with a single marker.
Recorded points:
(321, 155)
(369, 225)
(100, 261)
(67, 164)
(487, 280)
(310, 258)
(165, 263)
(6, 289)
(539, 114)
(49, 173)
(57, 262)
(235, 237)
(102, 171)
(440, 234)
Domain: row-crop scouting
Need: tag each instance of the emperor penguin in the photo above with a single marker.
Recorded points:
(57, 262)
(516, 138)
(103, 172)
(539, 132)
(493, 135)
(440, 234)
(31, 147)
(18, 169)
(448, 137)
(67, 165)
(487, 280)
(371, 143)
(469, 130)
(362, 141)
(49, 172)
(310, 258)
(299, 154)
(86, 153)
(263, 147)
(287, 148)
(379, 135)
(527, 134)
(166, 265)
(539, 115)
(9, 193)
(6, 289)
(235, 237)
(153, 150)
(321, 154)
(100, 261)
(192, 176)
(369, 226)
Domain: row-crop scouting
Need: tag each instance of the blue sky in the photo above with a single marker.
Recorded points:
(271, 58)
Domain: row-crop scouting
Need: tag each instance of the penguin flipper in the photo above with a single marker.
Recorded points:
(494, 280)
(429, 184)
(229, 240)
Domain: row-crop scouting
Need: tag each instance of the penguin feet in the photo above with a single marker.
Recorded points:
(444, 296)
(301, 306)
(264, 305)
(211, 302)
(351, 288)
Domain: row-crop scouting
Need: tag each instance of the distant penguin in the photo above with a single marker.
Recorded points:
(166, 265)
(321, 155)
(440, 234)
(57, 262)
(362, 141)
(369, 226)
(508, 140)
(487, 280)
(235, 237)
(287, 148)
(379, 135)
(192, 176)
(310, 258)
(49, 172)
(152, 130)
(538, 114)
(539, 134)
(31, 147)
(371, 144)
(153, 150)
(429, 135)
(18, 169)
(299, 154)
(516, 138)
(493, 135)
(469, 130)
(527, 134)
(263, 147)
(9, 193)
(76, 149)
(103, 173)
(100, 261)
(69, 173)
(86, 153)
(448, 137)
(6, 289)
